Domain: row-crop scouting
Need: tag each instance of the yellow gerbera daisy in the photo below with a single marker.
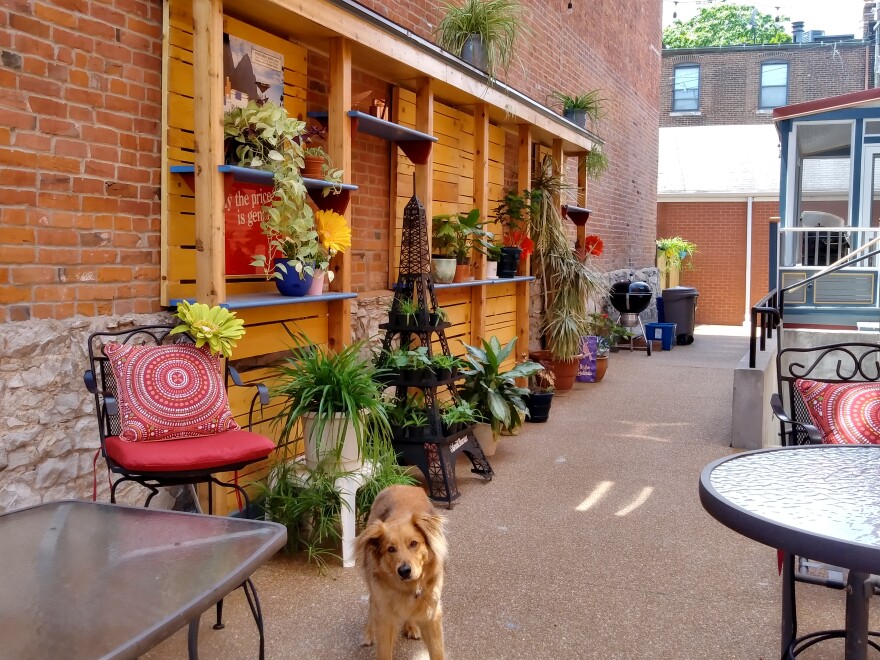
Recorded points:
(333, 231)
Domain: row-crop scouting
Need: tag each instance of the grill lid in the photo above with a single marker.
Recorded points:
(630, 297)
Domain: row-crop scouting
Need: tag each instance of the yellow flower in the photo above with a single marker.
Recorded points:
(333, 231)
(216, 326)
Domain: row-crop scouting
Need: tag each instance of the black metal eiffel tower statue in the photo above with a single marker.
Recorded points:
(434, 450)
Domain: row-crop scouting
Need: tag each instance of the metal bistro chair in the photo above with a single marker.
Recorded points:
(830, 363)
(179, 462)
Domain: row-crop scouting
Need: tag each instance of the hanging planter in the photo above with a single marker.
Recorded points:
(474, 52)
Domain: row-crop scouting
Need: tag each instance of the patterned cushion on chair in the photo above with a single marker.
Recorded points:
(845, 413)
(169, 392)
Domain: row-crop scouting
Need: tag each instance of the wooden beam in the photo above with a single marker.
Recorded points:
(582, 197)
(425, 171)
(208, 123)
(523, 289)
(164, 175)
(481, 201)
(393, 247)
(558, 166)
(339, 150)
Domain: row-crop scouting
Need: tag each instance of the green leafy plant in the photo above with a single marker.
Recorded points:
(216, 326)
(590, 103)
(493, 393)
(438, 316)
(410, 311)
(497, 22)
(569, 283)
(595, 163)
(386, 472)
(457, 415)
(514, 209)
(266, 138)
(609, 332)
(676, 250)
(459, 234)
(315, 380)
(493, 253)
(448, 362)
(726, 24)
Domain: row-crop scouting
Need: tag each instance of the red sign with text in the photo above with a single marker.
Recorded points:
(244, 213)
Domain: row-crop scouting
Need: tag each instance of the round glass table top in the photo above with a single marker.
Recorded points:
(798, 498)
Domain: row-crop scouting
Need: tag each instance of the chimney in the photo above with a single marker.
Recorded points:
(797, 31)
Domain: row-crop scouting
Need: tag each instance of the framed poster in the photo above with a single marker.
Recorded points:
(251, 72)
(243, 210)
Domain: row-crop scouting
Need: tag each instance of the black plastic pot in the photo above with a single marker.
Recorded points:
(508, 264)
(538, 404)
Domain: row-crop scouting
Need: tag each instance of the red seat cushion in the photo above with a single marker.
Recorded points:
(845, 413)
(169, 392)
(190, 454)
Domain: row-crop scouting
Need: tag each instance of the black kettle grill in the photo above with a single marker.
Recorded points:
(631, 299)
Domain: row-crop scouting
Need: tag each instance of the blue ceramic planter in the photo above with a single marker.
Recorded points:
(291, 283)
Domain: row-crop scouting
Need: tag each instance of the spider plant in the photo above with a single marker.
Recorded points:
(588, 103)
(497, 23)
(569, 283)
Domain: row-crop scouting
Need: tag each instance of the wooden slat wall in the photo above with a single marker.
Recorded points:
(178, 248)
(265, 332)
(453, 164)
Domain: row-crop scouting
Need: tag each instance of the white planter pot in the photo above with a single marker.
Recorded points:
(491, 270)
(442, 270)
(487, 438)
(335, 431)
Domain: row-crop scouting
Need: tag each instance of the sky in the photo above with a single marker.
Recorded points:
(833, 16)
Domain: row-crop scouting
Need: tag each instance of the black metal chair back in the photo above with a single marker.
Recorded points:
(829, 363)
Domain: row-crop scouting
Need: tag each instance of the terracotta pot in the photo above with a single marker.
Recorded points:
(565, 372)
(313, 167)
(601, 368)
(462, 273)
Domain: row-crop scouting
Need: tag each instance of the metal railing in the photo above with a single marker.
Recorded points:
(770, 308)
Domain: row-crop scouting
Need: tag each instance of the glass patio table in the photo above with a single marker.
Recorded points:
(90, 580)
(815, 501)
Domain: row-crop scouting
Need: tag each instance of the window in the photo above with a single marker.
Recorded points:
(774, 85)
(686, 88)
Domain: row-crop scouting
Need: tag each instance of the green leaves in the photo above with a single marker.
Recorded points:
(726, 25)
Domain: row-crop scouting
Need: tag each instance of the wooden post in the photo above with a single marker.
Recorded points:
(425, 172)
(481, 201)
(559, 167)
(582, 196)
(208, 124)
(339, 150)
(393, 247)
(523, 289)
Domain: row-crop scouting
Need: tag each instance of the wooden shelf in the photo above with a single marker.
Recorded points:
(416, 145)
(498, 280)
(334, 201)
(577, 215)
(246, 301)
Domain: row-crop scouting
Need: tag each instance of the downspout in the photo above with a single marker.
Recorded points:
(748, 317)
(876, 45)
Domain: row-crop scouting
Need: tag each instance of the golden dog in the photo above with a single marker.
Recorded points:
(401, 553)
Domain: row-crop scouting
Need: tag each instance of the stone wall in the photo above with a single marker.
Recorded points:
(49, 431)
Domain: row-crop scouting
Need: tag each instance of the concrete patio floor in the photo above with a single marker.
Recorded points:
(590, 542)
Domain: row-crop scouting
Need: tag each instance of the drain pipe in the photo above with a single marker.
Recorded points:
(748, 318)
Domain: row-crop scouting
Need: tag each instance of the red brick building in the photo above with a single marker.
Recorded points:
(719, 160)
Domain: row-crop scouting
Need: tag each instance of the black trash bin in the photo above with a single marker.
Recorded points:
(680, 307)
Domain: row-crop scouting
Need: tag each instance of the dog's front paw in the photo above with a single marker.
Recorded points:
(411, 631)
(367, 638)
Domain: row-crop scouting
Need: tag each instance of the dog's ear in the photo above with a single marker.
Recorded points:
(369, 539)
(431, 526)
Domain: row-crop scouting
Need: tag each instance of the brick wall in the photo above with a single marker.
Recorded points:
(585, 44)
(719, 231)
(79, 144)
(730, 79)
(79, 158)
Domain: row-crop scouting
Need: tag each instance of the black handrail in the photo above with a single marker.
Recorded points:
(770, 307)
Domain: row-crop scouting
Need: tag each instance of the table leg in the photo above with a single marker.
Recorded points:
(192, 639)
(789, 605)
(858, 593)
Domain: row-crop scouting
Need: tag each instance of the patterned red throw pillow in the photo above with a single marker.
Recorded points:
(169, 392)
(845, 413)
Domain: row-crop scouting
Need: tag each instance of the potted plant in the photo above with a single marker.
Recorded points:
(337, 397)
(595, 164)
(455, 417)
(264, 137)
(493, 393)
(493, 256)
(580, 107)
(513, 213)
(671, 255)
(540, 396)
(316, 161)
(569, 282)
(445, 366)
(459, 235)
(481, 32)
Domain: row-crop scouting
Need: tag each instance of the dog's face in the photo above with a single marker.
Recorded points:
(404, 549)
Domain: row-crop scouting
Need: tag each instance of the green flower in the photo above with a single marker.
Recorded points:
(217, 327)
